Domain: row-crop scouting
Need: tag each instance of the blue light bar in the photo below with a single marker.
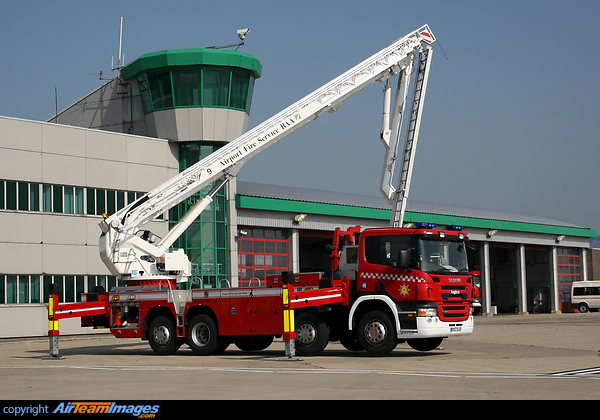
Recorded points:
(454, 227)
(425, 225)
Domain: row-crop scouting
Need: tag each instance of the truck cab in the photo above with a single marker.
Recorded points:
(418, 265)
(419, 276)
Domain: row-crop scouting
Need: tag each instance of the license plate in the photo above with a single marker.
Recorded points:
(456, 329)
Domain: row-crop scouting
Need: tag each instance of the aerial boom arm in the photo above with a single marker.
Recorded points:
(397, 196)
(118, 243)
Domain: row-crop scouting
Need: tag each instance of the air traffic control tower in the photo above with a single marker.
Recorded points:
(198, 99)
(195, 94)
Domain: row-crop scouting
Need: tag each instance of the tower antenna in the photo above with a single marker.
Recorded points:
(120, 58)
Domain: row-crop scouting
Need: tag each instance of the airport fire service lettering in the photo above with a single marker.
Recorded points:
(248, 147)
(268, 135)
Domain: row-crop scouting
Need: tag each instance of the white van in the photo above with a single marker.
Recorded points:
(585, 295)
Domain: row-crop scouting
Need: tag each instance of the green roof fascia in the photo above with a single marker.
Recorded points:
(474, 222)
(273, 204)
(191, 57)
(261, 203)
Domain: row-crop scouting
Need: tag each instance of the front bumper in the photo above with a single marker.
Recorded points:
(432, 326)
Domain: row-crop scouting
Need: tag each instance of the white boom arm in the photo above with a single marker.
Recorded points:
(128, 251)
(397, 196)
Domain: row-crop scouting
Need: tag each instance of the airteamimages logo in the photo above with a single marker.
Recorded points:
(142, 411)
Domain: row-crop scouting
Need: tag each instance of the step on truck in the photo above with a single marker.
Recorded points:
(390, 285)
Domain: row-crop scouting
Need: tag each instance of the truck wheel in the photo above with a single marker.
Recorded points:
(312, 334)
(583, 308)
(349, 341)
(203, 336)
(254, 343)
(162, 336)
(425, 344)
(376, 333)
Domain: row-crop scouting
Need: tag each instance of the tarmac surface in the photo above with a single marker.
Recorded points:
(529, 357)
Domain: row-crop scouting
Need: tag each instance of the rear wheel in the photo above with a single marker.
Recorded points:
(583, 308)
(376, 333)
(350, 342)
(162, 336)
(254, 343)
(425, 344)
(203, 336)
(312, 334)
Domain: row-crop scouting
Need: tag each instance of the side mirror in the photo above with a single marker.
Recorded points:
(404, 258)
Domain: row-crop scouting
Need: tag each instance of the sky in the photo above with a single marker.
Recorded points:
(511, 119)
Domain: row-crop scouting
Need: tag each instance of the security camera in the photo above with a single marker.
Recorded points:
(242, 33)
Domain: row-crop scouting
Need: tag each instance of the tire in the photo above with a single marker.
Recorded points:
(376, 333)
(425, 344)
(349, 341)
(254, 343)
(162, 336)
(203, 336)
(583, 308)
(312, 334)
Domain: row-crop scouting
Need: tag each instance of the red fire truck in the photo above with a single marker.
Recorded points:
(384, 286)
(388, 286)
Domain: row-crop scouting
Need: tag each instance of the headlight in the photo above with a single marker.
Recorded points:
(426, 311)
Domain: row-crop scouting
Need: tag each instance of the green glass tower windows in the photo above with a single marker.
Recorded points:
(241, 90)
(205, 240)
(161, 90)
(187, 87)
(195, 78)
(196, 87)
(144, 87)
(216, 87)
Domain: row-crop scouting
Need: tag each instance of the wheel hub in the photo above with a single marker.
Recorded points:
(200, 334)
(306, 333)
(162, 335)
(375, 332)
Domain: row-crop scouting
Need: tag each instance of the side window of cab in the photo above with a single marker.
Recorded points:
(386, 250)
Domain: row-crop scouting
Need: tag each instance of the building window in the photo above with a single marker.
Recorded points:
(11, 195)
(10, 289)
(34, 197)
(29, 196)
(23, 196)
(261, 252)
(47, 197)
(57, 199)
(23, 289)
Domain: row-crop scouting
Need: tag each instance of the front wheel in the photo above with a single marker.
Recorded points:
(376, 333)
(162, 336)
(583, 308)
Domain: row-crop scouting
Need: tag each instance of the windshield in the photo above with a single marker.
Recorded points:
(442, 257)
